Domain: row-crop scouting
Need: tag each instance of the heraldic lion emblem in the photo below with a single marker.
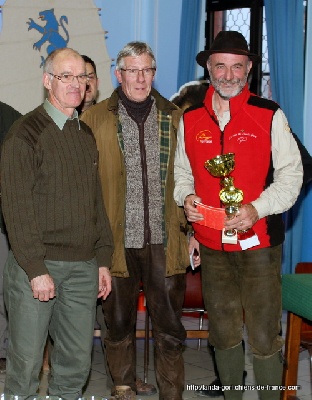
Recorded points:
(50, 32)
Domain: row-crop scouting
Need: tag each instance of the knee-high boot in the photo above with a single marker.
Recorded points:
(169, 367)
(269, 371)
(230, 365)
(121, 359)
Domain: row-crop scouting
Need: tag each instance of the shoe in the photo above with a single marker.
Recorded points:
(2, 365)
(144, 389)
(122, 392)
(214, 389)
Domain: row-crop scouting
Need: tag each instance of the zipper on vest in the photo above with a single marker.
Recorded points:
(147, 230)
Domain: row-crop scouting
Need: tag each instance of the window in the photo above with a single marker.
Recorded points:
(242, 16)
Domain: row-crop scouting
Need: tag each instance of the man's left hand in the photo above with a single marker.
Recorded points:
(105, 283)
(244, 219)
(194, 247)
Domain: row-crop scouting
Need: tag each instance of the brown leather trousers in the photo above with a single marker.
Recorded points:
(243, 286)
(164, 299)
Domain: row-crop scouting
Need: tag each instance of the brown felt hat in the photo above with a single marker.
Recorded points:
(227, 42)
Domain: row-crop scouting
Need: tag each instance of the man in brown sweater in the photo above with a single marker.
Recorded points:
(59, 233)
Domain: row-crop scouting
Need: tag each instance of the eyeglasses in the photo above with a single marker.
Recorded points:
(135, 71)
(69, 78)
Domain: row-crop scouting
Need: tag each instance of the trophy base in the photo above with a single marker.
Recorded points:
(229, 239)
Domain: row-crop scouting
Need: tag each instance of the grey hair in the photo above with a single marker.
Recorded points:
(48, 64)
(134, 49)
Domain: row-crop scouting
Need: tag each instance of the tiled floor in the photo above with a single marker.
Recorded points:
(198, 368)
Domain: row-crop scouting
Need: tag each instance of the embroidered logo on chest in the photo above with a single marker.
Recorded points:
(204, 136)
(242, 136)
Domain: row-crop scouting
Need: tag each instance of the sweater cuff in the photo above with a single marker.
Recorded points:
(183, 194)
(35, 268)
(104, 256)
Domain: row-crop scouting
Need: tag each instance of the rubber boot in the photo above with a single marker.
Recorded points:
(230, 365)
(269, 371)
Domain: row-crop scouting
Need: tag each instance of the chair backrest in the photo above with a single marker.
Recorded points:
(304, 268)
(193, 298)
(306, 326)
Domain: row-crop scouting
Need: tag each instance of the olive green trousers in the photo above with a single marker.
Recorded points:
(69, 319)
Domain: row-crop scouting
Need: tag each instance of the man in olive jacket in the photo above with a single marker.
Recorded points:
(135, 130)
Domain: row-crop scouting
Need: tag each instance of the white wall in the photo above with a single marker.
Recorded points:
(156, 22)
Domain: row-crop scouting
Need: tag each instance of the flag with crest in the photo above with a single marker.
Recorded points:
(33, 29)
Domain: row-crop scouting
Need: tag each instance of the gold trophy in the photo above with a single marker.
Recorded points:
(221, 167)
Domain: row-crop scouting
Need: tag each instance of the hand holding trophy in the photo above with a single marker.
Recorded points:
(221, 167)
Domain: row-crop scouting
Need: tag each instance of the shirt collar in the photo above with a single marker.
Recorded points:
(225, 119)
(57, 116)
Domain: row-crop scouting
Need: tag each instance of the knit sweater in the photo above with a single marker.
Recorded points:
(143, 195)
(51, 195)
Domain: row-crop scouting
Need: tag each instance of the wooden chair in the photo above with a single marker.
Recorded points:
(299, 329)
(306, 325)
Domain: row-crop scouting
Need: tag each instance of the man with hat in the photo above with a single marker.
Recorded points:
(241, 281)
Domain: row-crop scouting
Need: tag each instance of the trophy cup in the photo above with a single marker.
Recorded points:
(221, 167)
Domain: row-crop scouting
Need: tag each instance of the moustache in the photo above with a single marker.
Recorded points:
(229, 82)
